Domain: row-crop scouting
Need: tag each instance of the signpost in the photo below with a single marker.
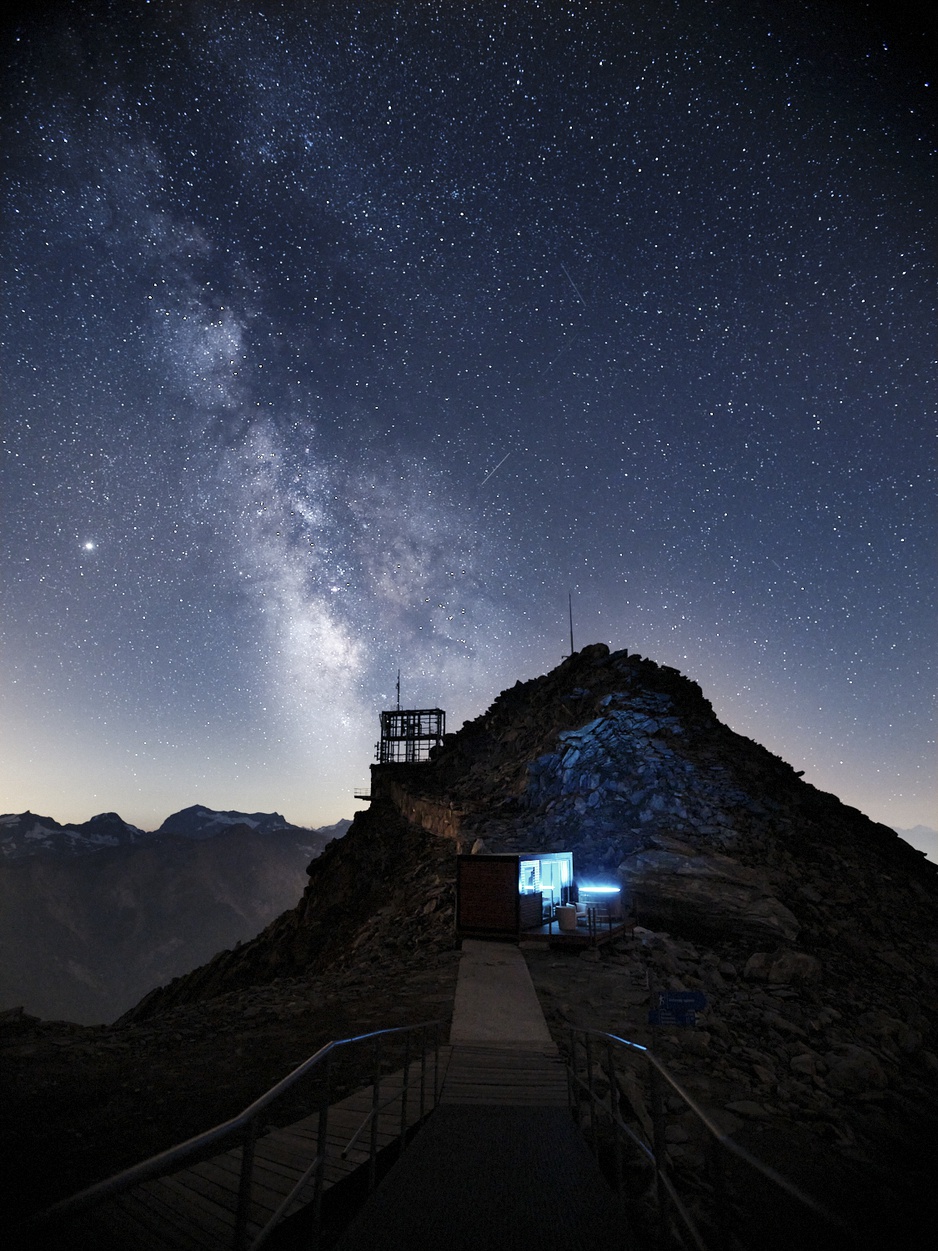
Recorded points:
(677, 1007)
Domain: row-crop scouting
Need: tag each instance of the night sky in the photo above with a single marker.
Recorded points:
(342, 338)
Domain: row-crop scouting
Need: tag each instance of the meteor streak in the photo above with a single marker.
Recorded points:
(573, 284)
(491, 471)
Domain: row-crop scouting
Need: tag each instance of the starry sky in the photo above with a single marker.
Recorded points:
(341, 338)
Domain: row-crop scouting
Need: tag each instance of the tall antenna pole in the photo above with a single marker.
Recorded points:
(570, 606)
(398, 690)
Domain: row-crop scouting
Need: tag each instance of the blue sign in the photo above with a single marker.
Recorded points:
(661, 1016)
(677, 1007)
(682, 1000)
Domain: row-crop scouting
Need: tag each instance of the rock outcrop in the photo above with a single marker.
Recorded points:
(672, 885)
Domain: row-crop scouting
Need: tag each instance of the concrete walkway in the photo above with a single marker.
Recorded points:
(495, 998)
(492, 1179)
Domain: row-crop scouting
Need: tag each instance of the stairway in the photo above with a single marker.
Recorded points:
(500, 1165)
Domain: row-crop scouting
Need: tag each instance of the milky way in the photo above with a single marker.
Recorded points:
(344, 339)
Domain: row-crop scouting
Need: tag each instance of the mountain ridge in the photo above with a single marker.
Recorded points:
(624, 763)
(28, 834)
(94, 915)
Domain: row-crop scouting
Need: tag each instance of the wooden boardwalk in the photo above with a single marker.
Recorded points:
(505, 1075)
(500, 1064)
(194, 1209)
(500, 1163)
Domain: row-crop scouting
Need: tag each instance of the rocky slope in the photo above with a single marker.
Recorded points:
(94, 915)
(811, 929)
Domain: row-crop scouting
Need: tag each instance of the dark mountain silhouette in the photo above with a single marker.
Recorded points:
(94, 915)
(810, 928)
(201, 822)
(923, 838)
(624, 763)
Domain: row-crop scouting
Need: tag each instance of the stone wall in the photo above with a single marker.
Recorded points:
(436, 816)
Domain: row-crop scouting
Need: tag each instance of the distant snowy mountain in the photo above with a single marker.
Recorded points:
(201, 822)
(922, 837)
(96, 914)
(26, 834)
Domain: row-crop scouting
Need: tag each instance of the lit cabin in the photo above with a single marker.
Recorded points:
(533, 896)
(500, 896)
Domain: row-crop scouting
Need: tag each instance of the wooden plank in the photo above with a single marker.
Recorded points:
(288, 1164)
(268, 1188)
(505, 1076)
(193, 1209)
(129, 1223)
(335, 1169)
(220, 1189)
(213, 1220)
(337, 1139)
(171, 1224)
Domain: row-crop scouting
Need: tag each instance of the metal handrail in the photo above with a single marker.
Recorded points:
(656, 1154)
(366, 1121)
(167, 1161)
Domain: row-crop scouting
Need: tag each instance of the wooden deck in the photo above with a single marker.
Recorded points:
(193, 1210)
(505, 1075)
(604, 933)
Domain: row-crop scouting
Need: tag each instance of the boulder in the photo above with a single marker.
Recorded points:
(782, 967)
(673, 885)
(853, 1069)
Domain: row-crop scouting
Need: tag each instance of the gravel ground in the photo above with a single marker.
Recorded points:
(866, 1152)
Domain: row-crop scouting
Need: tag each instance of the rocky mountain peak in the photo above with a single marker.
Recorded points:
(25, 834)
(624, 763)
(197, 821)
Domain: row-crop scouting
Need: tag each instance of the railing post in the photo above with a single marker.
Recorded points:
(423, 1068)
(322, 1148)
(244, 1186)
(592, 1093)
(613, 1109)
(375, 1104)
(404, 1085)
(436, 1065)
(571, 1084)
(721, 1212)
(661, 1154)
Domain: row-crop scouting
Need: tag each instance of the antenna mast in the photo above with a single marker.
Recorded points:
(398, 690)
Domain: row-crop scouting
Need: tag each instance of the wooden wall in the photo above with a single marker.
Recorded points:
(487, 894)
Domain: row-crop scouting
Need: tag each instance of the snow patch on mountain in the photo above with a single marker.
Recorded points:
(27, 834)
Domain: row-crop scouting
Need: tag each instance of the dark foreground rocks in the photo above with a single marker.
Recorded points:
(832, 1091)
